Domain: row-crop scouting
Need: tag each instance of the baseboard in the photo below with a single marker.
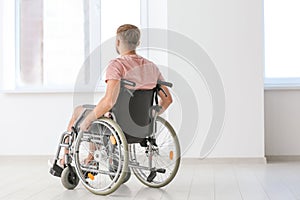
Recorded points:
(261, 160)
(258, 160)
(26, 157)
(283, 158)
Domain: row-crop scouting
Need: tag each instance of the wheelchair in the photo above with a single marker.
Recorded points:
(133, 139)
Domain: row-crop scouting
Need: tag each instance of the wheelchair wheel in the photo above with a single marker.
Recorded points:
(69, 179)
(164, 159)
(106, 143)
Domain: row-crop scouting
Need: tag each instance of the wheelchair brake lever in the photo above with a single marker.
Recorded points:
(74, 130)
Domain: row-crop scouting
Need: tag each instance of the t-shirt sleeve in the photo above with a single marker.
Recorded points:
(113, 71)
(161, 77)
(159, 74)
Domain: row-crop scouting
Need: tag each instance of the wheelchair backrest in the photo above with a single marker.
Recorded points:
(132, 112)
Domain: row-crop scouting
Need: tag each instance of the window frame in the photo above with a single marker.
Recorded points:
(282, 83)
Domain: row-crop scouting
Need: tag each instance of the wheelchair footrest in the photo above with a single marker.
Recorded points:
(151, 176)
(162, 171)
(56, 170)
(153, 173)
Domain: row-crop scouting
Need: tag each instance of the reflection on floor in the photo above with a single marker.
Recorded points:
(28, 178)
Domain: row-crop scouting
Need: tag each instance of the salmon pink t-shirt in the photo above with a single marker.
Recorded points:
(134, 68)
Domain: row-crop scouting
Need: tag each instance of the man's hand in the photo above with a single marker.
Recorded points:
(165, 101)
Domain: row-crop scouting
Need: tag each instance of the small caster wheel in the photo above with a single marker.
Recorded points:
(69, 178)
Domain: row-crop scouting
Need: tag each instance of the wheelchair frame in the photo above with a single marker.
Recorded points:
(70, 175)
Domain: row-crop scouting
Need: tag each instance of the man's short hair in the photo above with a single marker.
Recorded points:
(130, 35)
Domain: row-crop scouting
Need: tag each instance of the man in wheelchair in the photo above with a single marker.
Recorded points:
(127, 76)
(128, 66)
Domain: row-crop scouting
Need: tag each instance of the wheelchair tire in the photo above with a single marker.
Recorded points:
(166, 161)
(108, 142)
(69, 180)
(126, 177)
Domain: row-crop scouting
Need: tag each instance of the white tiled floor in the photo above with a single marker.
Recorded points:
(23, 178)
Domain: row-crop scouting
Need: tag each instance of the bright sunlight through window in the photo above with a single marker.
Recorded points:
(282, 39)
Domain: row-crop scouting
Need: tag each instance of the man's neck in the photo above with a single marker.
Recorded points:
(128, 53)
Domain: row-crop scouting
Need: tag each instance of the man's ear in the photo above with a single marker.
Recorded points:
(118, 42)
(138, 44)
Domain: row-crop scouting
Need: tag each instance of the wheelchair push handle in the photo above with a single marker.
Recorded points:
(168, 84)
(127, 82)
(133, 84)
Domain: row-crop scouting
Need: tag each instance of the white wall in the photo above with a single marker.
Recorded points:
(231, 32)
(1, 42)
(31, 123)
(282, 128)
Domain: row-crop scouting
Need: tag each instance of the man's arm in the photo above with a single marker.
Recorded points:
(104, 105)
(165, 101)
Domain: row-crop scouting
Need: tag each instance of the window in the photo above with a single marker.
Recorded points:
(282, 42)
(51, 40)
(46, 42)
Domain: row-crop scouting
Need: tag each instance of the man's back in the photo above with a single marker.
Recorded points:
(134, 68)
